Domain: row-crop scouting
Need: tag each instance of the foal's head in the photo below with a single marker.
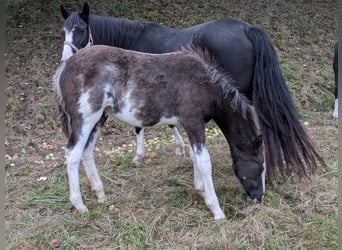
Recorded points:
(75, 30)
(248, 161)
(250, 170)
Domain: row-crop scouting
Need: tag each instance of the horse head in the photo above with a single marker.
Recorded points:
(249, 169)
(75, 30)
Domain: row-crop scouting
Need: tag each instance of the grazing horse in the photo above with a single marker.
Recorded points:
(335, 66)
(183, 88)
(244, 51)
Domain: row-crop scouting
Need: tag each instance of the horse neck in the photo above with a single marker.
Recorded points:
(237, 127)
(116, 32)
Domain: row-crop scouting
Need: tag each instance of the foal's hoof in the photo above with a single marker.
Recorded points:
(180, 151)
(219, 216)
(82, 209)
(101, 198)
(137, 160)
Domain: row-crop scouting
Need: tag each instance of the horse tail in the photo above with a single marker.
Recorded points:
(287, 143)
(64, 117)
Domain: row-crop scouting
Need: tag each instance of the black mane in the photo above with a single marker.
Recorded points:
(125, 34)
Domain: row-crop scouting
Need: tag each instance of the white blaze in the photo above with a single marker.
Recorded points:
(67, 50)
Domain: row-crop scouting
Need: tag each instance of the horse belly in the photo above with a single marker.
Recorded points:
(130, 114)
(127, 115)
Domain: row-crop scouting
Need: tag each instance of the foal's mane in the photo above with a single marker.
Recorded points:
(223, 79)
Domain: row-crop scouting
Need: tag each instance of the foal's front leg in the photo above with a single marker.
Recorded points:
(202, 164)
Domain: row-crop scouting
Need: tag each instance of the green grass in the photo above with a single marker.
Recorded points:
(155, 206)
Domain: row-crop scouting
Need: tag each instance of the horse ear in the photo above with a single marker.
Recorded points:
(257, 142)
(85, 10)
(64, 12)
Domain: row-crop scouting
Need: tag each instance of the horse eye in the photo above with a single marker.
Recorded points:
(81, 30)
(63, 33)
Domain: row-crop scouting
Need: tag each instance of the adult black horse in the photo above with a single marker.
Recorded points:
(246, 52)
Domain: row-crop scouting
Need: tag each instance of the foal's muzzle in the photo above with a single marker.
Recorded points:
(255, 198)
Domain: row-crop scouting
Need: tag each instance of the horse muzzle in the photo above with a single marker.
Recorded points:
(255, 198)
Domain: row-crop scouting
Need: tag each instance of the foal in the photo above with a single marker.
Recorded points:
(182, 88)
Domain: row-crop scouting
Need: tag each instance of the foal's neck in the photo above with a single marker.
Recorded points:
(118, 32)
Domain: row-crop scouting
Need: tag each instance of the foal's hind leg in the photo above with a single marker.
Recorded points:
(180, 146)
(89, 162)
(74, 152)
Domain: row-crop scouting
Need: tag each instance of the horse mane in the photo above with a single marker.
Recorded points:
(222, 78)
(125, 33)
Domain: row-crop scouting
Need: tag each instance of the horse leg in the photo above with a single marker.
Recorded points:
(335, 67)
(140, 153)
(263, 175)
(198, 182)
(202, 164)
(180, 146)
(73, 153)
(89, 162)
(75, 150)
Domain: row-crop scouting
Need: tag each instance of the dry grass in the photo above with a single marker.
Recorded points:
(155, 206)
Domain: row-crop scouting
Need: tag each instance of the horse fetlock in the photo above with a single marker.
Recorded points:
(137, 160)
(215, 208)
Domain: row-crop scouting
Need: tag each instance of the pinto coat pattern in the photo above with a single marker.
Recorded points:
(181, 88)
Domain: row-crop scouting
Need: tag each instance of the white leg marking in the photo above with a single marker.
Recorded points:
(67, 50)
(73, 157)
(91, 170)
(140, 153)
(263, 176)
(202, 164)
(180, 146)
(77, 152)
(198, 182)
(335, 113)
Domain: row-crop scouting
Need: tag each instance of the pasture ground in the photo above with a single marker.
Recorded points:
(155, 206)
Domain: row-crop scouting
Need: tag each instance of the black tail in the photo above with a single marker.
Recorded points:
(288, 146)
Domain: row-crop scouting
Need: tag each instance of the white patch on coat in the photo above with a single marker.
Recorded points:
(263, 176)
(335, 113)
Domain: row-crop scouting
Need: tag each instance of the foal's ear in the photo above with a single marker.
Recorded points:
(85, 11)
(64, 12)
(257, 142)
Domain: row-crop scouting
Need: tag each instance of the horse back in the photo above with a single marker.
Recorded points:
(152, 85)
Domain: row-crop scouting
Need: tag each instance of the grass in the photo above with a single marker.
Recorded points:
(155, 206)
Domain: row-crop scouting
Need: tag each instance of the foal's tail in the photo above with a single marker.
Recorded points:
(288, 145)
(63, 115)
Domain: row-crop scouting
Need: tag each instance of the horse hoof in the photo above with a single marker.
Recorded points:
(101, 198)
(219, 216)
(82, 209)
(180, 151)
